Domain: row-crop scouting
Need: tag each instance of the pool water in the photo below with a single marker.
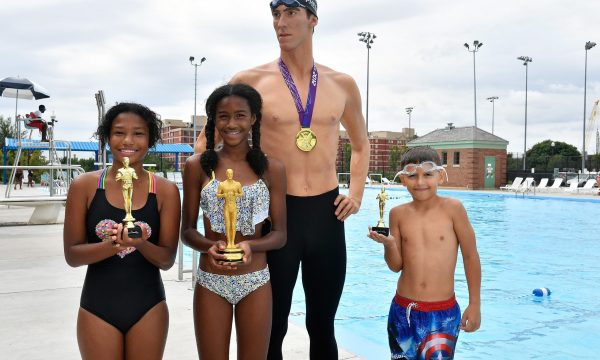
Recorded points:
(524, 243)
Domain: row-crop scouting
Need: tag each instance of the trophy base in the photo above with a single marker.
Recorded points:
(134, 232)
(381, 230)
(233, 255)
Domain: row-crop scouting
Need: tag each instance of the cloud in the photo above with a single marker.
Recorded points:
(138, 51)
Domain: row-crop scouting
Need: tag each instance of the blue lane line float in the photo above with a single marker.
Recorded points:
(541, 292)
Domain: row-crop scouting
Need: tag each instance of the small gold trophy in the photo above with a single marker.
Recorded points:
(126, 176)
(380, 227)
(230, 190)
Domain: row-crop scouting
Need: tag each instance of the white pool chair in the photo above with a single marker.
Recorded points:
(525, 185)
(572, 187)
(555, 185)
(588, 187)
(543, 185)
(515, 184)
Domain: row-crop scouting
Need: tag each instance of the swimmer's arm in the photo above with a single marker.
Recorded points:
(354, 123)
(275, 239)
(391, 243)
(76, 248)
(162, 255)
(192, 179)
(466, 239)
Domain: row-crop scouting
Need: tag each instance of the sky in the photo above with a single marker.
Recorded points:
(138, 50)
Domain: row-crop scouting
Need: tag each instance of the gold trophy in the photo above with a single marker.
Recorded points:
(230, 190)
(380, 227)
(126, 175)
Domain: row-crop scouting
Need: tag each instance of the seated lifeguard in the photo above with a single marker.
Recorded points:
(36, 120)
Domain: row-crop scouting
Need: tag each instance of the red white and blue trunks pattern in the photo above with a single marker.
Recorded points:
(423, 330)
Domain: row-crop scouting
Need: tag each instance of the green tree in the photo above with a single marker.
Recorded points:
(548, 154)
(7, 130)
(86, 164)
(162, 164)
(28, 157)
(396, 153)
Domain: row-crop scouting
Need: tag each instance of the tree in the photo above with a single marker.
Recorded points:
(162, 164)
(86, 164)
(28, 157)
(7, 130)
(545, 157)
(396, 153)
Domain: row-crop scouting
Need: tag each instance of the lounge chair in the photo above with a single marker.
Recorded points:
(588, 187)
(525, 185)
(555, 185)
(515, 184)
(543, 185)
(572, 187)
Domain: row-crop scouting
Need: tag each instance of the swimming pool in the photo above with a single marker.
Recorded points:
(523, 243)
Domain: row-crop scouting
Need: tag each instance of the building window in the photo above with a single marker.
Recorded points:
(444, 158)
(456, 161)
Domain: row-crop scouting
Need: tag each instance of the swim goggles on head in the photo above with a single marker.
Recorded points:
(428, 167)
(310, 5)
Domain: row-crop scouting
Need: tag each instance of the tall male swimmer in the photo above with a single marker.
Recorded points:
(302, 131)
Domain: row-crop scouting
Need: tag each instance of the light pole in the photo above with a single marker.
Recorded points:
(476, 46)
(492, 99)
(195, 89)
(367, 38)
(409, 111)
(526, 60)
(588, 45)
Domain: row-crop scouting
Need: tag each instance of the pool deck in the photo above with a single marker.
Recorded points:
(40, 294)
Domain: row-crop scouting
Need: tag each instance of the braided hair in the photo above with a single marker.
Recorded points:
(255, 157)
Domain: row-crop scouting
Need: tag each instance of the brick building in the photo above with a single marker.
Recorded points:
(382, 143)
(473, 158)
(177, 131)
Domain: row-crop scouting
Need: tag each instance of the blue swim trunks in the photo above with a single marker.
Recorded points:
(423, 330)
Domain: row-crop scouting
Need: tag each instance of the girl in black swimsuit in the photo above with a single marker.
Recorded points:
(123, 313)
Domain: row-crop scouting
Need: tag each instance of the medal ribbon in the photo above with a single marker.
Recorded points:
(304, 115)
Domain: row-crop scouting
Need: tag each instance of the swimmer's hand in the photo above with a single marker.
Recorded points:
(382, 239)
(247, 259)
(121, 237)
(217, 260)
(471, 319)
(345, 206)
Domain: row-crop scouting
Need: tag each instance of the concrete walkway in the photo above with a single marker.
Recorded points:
(39, 298)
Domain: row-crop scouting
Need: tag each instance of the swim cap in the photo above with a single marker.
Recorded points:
(310, 5)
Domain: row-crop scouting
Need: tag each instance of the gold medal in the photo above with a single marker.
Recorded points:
(306, 140)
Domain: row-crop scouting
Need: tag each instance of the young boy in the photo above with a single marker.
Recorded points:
(424, 319)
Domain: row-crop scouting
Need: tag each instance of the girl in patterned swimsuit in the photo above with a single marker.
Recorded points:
(123, 313)
(226, 289)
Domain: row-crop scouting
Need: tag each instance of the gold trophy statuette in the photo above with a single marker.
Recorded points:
(380, 227)
(230, 190)
(126, 176)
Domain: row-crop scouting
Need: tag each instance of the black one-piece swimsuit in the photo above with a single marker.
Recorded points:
(123, 287)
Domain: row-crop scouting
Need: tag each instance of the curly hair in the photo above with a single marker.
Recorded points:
(150, 117)
(255, 157)
(420, 154)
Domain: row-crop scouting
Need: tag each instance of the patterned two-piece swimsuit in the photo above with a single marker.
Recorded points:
(253, 208)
